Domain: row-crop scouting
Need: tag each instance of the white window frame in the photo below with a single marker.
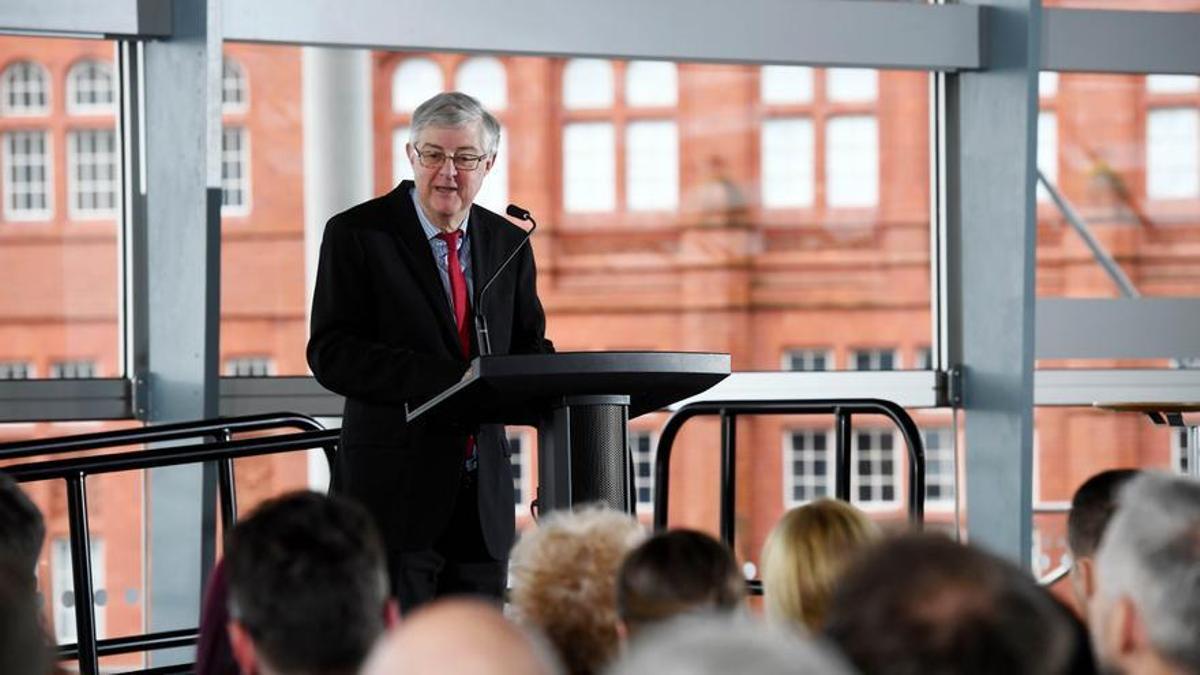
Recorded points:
(486, 68)
(875, 355)
(877, 481)
(75, 186)
(638, 456)
(68, 369)
(807, 355)
(243, 182)
(6, 88)
(804, 169)
(62, 581)
(1156, 194)
(944, 481)
(244, 366)
(75, 78)
(789, 456)
(580, 93)
(402, 102)
(28, 215)
(8, 366)
(574, 169)
(232, 66)
(867, 183)
(664, 170)
(1179, 437)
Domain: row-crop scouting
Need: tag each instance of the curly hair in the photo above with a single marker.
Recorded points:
(564, 575)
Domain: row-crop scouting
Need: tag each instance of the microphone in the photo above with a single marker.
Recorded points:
(481, 329)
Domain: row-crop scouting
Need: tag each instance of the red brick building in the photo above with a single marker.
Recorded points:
(777, 214)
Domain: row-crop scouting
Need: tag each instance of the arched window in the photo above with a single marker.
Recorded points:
(786, 84)
(24, 90)
(587, 83)
(235, 94)
(651, 84)
(484, 78)
(90, 87)
(414, 82)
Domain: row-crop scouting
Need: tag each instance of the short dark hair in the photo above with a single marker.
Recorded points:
(22, 527)
(308, 582)
(676, 572)
(24, 648)
(1092, 507)
(926, 604)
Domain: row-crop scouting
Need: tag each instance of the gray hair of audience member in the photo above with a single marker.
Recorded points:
(455, 109)
(461, 636)
(715, 645)
(923, 604)
(564, 577)
(1151, 554)
(308, 583)
(22, 528)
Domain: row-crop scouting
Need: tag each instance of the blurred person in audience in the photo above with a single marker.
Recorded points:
(923, 604)
(564, 577)
(24, 647)
(1145, 614)
(214, 655)
(461, 636)
(673, 573)
(805, 553)
(1091, 508)
(308, 587)
(22, 530)
(716, 645)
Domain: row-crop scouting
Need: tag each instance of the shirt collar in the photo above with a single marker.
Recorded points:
(427, 225)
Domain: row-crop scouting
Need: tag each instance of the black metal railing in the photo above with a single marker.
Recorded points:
(842, 409)
(75, 471)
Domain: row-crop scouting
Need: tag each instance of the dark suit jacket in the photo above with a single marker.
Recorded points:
(383, 336)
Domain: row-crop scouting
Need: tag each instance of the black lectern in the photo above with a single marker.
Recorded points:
(580, 403)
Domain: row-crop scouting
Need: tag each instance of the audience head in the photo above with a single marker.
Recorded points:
(308, 590)
(1091, 508)
(925, 604)
(1145, 615)
(675, 573)
(716, 645)
(564, 574)
(462, 636)
(24, 648)
(22, 530)
(805, 553)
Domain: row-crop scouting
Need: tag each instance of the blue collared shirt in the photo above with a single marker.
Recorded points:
(441, 250)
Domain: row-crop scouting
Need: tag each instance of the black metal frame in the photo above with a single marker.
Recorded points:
(841, 409)
(75, 471)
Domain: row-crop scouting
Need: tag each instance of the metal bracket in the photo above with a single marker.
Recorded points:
(950, 388)
(140, 390)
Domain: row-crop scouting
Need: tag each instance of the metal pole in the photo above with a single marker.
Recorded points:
(81, 570)
(728, 475)
(228, 487)
(842, 432)
(1193, 450)
(1101, 255)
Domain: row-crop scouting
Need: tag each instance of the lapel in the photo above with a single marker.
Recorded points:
(415, 247)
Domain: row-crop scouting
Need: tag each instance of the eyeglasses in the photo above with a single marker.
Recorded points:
(434, 159)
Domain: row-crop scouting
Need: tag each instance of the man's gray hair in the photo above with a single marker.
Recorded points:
(1151, 554)
(716, 645)
(456, 109)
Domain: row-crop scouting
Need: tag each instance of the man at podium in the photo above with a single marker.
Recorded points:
(394, 310)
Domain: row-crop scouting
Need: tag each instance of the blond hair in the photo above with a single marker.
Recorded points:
(805, 553)
(564, 577)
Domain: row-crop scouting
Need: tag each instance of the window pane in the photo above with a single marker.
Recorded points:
(650, 83)
(787, 163)
(414, 81)
(589, 167)
(852, 161)
(60, 186)
(851, 84)
(235, 171)
(1047, 83)
(1173, 153)
(786, 84)
(1047, 151)
(587, 83)
(484, 78)
(494, 193)
(1172, 84)
(652, 166)
(401, 166)
(233, 86)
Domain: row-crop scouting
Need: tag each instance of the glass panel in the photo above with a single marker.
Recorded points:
(589, 167)
(652, 160)
(60, 191)
(1124, 150)
(786, 84)
(484, 78)
(852, 161)
(851, 84)
(587, 83)
(413, 81)
(787, 167)
(650, 83)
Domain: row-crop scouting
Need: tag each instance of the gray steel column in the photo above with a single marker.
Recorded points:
(991, 152)
(174, 297)
(338, 141)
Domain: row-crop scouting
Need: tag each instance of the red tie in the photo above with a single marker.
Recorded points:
(458, 292)
(458, 289)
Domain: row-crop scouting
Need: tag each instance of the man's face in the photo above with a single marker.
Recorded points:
(445, 192)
